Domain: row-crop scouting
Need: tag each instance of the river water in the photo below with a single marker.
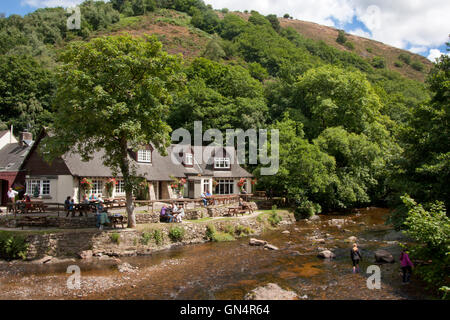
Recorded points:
(230, 270)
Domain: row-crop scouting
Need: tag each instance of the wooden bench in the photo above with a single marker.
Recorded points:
(116, 220)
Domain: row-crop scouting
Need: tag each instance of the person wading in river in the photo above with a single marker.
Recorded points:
(355, 256)
(407, 266)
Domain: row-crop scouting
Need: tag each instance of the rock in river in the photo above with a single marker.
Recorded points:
(352, 239)
(270, 247)
(326, 254)
(256, 242)
(270, 291)
(384, 256)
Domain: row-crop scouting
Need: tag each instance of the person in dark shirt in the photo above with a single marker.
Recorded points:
(355, 255)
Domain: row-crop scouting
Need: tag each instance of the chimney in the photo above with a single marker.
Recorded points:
(26, 138)
(11, 134)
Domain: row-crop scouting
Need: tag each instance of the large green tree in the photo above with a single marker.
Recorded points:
(114, 94)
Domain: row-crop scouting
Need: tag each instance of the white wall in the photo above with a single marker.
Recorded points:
(6, 139)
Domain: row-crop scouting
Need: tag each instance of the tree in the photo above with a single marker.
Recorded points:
(113, 94)
(273, 19)
(341, 37)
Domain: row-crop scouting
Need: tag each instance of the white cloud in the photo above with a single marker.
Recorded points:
(51, 3)
(418, 49)
(435, 53)
(400, 23)
(360, 33)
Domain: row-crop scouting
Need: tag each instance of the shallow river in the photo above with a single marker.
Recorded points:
(230, 270)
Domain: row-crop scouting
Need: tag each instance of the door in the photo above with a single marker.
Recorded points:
(191, 186)
(4, 192)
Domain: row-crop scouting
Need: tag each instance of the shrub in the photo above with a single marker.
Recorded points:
(158, 236)
(241, 230)
(306, 210)
(287, 16)
(341, 37)
(398, 64)
(229, 229)
(274, 218)
(222, 237)
(406, 58)
(176, 234)
(349, 45)
(210, 231)
(145, 238)
(379, 62)
(12, 246)
(430, 229)
(225, 10)
(369, 50)
(213, 235)
(417, 66)
(115, 237)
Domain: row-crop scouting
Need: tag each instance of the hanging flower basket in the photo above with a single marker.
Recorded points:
(109, 185)
(86, 184)
(241, 184)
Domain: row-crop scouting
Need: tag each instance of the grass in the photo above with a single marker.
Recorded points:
(115, 237)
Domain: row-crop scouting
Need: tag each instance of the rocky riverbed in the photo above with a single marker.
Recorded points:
(299, 269)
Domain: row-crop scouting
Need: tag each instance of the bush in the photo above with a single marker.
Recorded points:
(210, 231)
(222, 237)
(287, 16)
(12, 246)
(225, 10)
(369, 50)
(349, 45)
(342, 39)
(145, 238)
(229, 229)
(274, 218)
(430, 229)
(406, 58)
(379, 62)
(241, 230)
(158, 236)
(176, 234)
(306, 210)
(213, 235)
(398, 64)
(417, 66)
(115, 238)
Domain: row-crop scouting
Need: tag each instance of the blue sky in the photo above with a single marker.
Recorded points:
(421, 26)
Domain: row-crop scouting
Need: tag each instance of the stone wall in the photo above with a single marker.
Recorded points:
(131, 242)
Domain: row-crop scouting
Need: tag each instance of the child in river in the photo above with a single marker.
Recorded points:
(406, 265)
(355, 255)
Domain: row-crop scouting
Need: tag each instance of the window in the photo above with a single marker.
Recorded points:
(221, 163)
(225, 187)
(42, 186)
(206, 184)
(189, 159)
(120, 187)
(97, 187)
(145, 156)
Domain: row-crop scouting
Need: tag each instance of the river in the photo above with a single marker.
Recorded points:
(230, 270)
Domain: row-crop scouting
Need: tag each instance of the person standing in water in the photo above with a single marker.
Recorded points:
(406, 265)
(355, 255)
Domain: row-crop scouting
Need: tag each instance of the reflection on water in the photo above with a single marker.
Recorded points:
(230, 270)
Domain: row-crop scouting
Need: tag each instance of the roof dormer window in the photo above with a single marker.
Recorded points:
(144, 156)
(189, 159)
(221, 163)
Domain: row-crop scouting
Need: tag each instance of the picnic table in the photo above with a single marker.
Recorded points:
(234, 211)
(24, 207)
(116, 219)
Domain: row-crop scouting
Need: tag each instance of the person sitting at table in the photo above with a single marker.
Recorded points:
(27, 201)
(93, 198)
(85, 199)
(180, 216)
(100, 199)
(205, 201)
(164, 215)
(241, 203)
(175, 212)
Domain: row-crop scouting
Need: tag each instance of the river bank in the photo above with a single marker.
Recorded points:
(230, 270)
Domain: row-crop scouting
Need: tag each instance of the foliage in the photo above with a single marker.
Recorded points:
(379, 62)
(126, 85)
(274, 218)
(115, 237)
(176, 234)
(306, 209)
(158, 237)
(406, 58)
(243, 231)
(342, 39)
(12, 246)
(145, 238)
(430, 229)
(416, 65)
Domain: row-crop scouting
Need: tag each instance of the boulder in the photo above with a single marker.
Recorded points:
(326, 254)
(320, 240)
(315, 218)
(336, 222)
(384, 256)
(271, 247)
(352, 239)
(87, 254)
(286, 232)
(271, 291)
(256, 242)
(126, 267)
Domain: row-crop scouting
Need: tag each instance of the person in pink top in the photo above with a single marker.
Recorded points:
(406, 265)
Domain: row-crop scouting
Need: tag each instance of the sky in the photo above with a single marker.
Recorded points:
(420, 26)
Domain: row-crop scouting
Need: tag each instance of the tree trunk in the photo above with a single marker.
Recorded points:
(125, 168)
